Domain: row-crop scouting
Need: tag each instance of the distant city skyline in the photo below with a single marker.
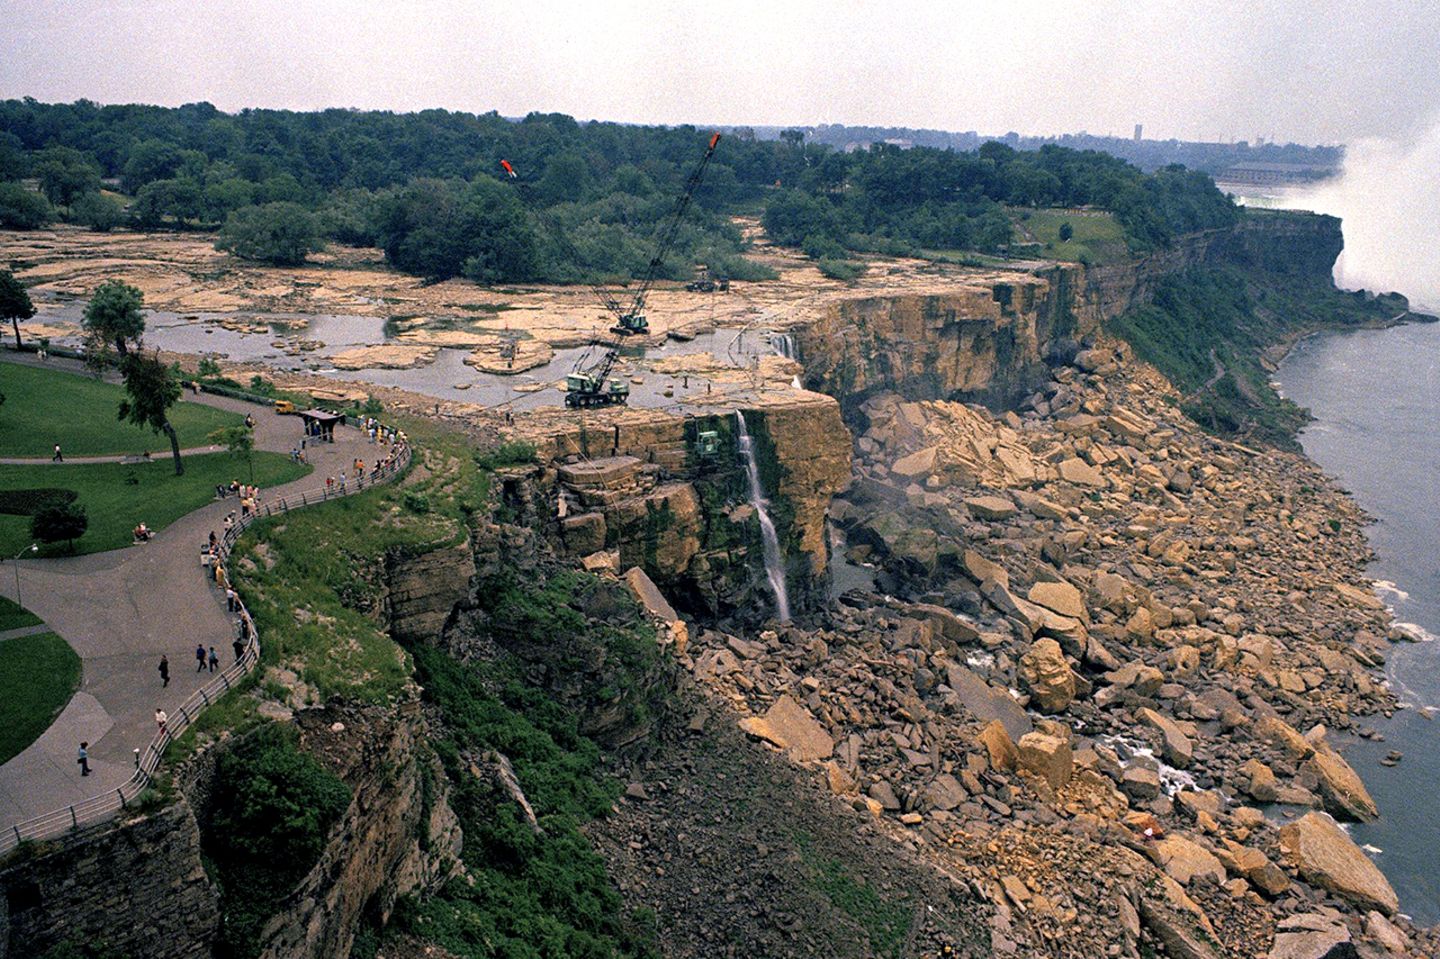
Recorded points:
(1317, 72)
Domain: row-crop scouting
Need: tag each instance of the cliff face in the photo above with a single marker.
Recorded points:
(136, 889)
(992, 337)
(397, 836)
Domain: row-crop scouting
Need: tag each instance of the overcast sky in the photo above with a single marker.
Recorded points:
(1310, 71)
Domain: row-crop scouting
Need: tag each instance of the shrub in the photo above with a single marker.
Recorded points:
(509, 453)
(844, 270)
(28, 502)
(274, 808)
(417, 503)
(98, 212)
(22, 209)
(65, 522)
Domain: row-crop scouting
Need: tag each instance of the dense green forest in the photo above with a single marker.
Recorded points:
(427, 188)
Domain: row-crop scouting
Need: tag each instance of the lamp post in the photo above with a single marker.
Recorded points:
(33, 547)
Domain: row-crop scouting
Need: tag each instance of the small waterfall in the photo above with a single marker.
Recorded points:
(784, 344)
(774, 568)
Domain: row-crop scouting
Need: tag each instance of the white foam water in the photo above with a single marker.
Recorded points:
(774, 566)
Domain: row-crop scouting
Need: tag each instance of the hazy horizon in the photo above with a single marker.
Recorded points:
(1315, 72)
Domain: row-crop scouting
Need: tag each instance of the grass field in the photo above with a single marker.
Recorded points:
(117, 496)
(1097, 238)
(38, 675)
(12, 616)
(45, 407)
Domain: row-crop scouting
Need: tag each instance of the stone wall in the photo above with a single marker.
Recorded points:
(135, 889)
(421, 591)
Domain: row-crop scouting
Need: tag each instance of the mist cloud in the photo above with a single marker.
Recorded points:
(1389, 199)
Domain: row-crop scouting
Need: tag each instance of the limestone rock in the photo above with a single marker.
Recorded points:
(1143, 680)
(1046, 756)
(1045, 673)
(1059, 597)
(986, 702)
(945, 792)
(649, 595)
(789, 726)
(919, 463)
(1324, 855)
(1184, 861)
(993, 508)
(999, 746)
(1178, 749)
(1309, 936)
(1340, 788)
(1261, 785)
(1181, 926)
(1081, 473)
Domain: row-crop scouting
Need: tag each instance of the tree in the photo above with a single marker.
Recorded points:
(15, 303)
(113, 316)
(151, 389)
(66, 174)
(239, 440)
(279, 233)
(61, 522)
(22, 208)
(97, 211)
(180, 198)
(1066, 231)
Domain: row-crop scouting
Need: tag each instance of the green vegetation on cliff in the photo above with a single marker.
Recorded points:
(1207, 328)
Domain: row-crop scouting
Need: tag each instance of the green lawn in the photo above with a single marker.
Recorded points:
(38, 675)
(1097, 237)
(117, 496)
(44, 406)
(12, 616)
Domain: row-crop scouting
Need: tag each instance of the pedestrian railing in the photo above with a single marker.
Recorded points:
(103, 806)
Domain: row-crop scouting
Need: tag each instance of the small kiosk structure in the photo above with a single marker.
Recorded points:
(320, 424)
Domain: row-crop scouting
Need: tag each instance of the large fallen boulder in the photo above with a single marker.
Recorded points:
(1046, 675)
(1340, 787)
(789, 726)
(1323, 854)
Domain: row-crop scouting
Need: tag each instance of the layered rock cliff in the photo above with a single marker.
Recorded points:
(992, 337)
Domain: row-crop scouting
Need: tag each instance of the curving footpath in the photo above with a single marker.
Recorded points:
(121, 611)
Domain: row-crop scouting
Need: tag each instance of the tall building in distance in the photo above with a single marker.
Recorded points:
(1139, 129)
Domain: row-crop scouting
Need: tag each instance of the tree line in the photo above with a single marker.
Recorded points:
(428, 190)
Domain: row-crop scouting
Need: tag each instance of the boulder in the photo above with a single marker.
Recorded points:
(1257, 868)
(1184, 861)
(999, 746)
(919, 463)
(1311, 936)
(1261, 784)
(1178, 749)
(1137, 677)
(649, 595)
(986, 702)
(1322, 853)
(1077, 471)
(1059, 597)
(992, 508)
(789, 726)
(1046, 756)
(1140, 782)
(584, 534)
(945, 792)
(982, 570)
(1047, 676)
(1181, 926)
(1340, 788)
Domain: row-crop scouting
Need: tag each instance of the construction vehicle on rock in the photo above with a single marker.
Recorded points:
(590, 384)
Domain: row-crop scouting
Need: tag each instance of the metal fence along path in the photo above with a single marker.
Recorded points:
(103, 806)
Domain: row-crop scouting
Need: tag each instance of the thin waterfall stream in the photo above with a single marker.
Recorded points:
(774, 567)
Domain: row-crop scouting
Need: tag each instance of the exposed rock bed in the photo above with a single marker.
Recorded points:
(1105, 640)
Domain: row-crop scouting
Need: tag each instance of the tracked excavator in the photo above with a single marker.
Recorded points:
(590, 383)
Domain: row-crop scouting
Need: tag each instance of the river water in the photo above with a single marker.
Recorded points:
(1375, 396)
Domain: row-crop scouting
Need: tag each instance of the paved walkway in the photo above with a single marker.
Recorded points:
(120, 611)
(23, 631)
(160, 455)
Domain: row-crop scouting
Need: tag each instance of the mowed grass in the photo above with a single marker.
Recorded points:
(117, 496)
(38, 675)
(1097, 236)
(44, 407)
(12, 616)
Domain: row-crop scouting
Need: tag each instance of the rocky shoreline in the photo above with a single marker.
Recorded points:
(1131, 731)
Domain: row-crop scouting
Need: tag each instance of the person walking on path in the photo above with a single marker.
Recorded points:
(214, 660)
(83, 758)
(200, 658)
(164, 668)
(160, 720)
(57, 458)
(232, 601)
(239, 647)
